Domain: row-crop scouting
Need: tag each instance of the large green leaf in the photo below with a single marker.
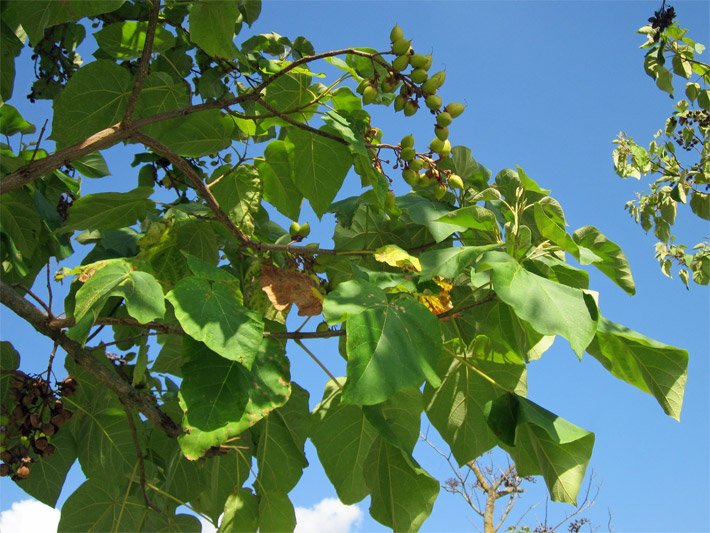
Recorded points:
(276, 512)
(214, 390)
(125, 40)
(94, 99)
(11, 122)
(238, 192)
(351, 298)
(280, 439)
(428, 213)
(9, 361)
(20, 222)
(277, 176)
(98, 505)
(402, 493)
(606, 255)
(37, 15)
(320, 166)
(212, 25)
(473, 217)
(10, 47)
(271, 388)
(550, 222)
(542, 443)
(109, 210)
(241, 512)
(342, 436)
(160, 94)
(653, 367)
(92, 165)
(289, 91)
(92, 295)
(450, 262)
(195, 135)
(211, 312)
(549, 307)
(391, 346)
(144, 296)
(457, 407)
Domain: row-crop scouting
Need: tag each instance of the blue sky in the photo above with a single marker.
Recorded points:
(548, 86)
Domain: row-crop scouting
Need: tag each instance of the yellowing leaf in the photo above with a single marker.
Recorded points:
(285, 287)
(437, 303)
(394, 256)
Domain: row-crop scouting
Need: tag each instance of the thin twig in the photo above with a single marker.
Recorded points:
(49, 288)
(39, 139)
(139, 455)
(37, 299)
(318, 362)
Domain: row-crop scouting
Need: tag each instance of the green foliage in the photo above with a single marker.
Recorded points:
(678, 157)
(439, 297)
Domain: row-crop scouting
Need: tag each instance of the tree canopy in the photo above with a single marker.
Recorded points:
(438, 299)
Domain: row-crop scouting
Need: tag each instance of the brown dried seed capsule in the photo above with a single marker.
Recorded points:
(49, 450)
(6, 456)
(41, 443)
(67, 414)
(35, 420)
(49, 429)
(5, 470)
(23, 472)
(58, 419)
(18, 412)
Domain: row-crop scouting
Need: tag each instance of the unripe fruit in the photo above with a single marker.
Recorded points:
(400, 63)
(425, 180)
(415, 165)
(322, 327)
(455, 181)
(410, 107)
(399, 102)
(436, 145)
(410, 176)
(294, 228)
(432, 84)
(389, 84)
(389, 200)
(420, 61)
(401, 46)
(446, 150)
(433, 102)
(305, 230)
(361, 86)
(443, 119)
(396, 33)
(407, 142)
(439, 191)
(407, 153)
(369, 94)
(418, 75)
(455, 109)
(441, 132)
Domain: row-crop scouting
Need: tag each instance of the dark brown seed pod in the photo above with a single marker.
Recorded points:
(49, 429)
(49, 450)
(6, 456)
(5, 470)
(41, 443)
(58, 419)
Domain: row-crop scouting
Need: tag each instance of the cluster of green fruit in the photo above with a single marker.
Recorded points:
(421, 171)
(38, 414)
(299, 231)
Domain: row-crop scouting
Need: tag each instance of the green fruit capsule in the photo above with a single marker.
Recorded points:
(294, 228)
(427, 63)
(436, 145)
(399, 102)
(407, 142)
(455, 181)
(305, 230)
(433, 102)
(443, 119)
(415, 165)
(400, 63)
(431, 85)
(401, 46)
(455, 109)
(389, 85)
(369, 94)
(439, 191)
(410, 107)
(418, 60)
(407, 153)
(441, 132)
(418, 75)
(396, 33)
(389, 200)
(322, 327)
(446, 150)
(410, 176)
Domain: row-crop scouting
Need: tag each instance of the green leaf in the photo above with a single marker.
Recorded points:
(37, 15)
(92, 295)
(10, 47)
(98, 505)
(210, 312)
(704, 99)
(398, 420)
(428, 213)
(11, 122)
(241, 512)
(160, 94)
(277, 176)
(450, 262)
(125, 40)
(342, 436)
(94, 99)
(653, 367)
(664, 79)
(543, 444)
(144, 296)
(550, 308)
(682, 66)
(49, 473)
(351, 298)
(700, 204)
(110, 210)
(276, 512)
(270, 389)
(195, 135)
(92, 165)
(214, 390)
(391, 346)
(320, 165)
(606, 255)
(238, 193)
(9, 361)
(550, 224)
(402, 492)
(472, 216)
(280, 439)
(471, 171)
(20, 222)
(457, 407)
(212, 25)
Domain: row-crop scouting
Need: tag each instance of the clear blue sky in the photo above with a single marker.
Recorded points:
(548, 86)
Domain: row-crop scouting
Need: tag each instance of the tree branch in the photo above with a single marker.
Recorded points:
(144, 62)
(84, 358)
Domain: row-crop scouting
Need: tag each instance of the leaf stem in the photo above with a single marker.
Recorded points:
(318, 362)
